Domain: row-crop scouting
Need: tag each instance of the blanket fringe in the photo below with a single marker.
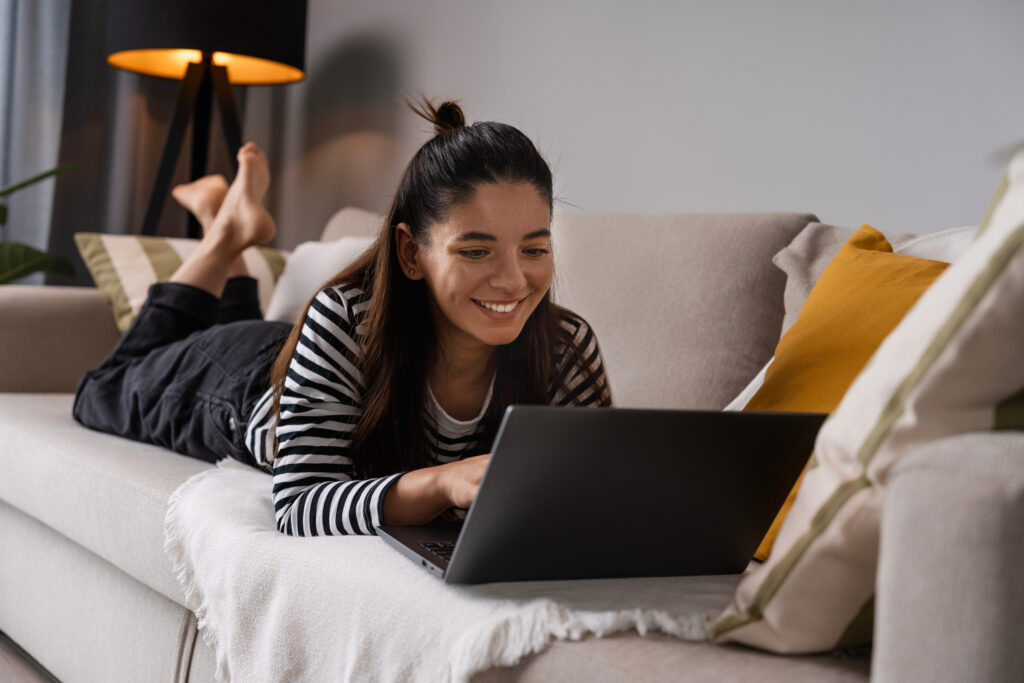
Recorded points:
(174, 548)
(520, 631)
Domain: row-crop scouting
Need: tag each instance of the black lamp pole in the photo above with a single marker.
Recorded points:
(202, 82)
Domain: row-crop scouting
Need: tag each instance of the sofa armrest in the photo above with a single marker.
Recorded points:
(49, 336)
(950, 602)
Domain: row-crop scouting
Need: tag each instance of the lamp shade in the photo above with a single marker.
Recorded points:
(258, 41)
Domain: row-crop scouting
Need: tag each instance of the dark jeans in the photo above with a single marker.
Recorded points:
(187, 373)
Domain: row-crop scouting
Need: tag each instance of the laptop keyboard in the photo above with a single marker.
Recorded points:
(443, 549)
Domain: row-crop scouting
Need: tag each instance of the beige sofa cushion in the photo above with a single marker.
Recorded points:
(957, 508)
(105, 493)
(81, 617)
(687, 307)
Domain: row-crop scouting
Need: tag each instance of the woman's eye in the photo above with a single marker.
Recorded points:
(473, 253)
(536, 251)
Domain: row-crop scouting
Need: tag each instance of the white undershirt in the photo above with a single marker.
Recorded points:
(448, 423)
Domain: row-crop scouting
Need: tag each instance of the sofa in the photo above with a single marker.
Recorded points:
(688, 308)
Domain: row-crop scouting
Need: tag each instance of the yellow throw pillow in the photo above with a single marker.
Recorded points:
(859, 299)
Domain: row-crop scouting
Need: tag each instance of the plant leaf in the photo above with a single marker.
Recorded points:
(63, 168)
(20, 260)
(3, 215)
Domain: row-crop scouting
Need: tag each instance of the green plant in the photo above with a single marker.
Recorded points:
(20, 260)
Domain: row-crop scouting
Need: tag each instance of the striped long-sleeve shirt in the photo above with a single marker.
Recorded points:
(315, 489)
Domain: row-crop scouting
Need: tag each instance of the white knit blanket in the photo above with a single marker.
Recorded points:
(278, 608)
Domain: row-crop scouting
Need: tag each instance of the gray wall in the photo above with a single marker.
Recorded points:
(891, 113)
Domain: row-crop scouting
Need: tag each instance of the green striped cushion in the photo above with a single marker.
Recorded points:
(954, 364)
(124, 266)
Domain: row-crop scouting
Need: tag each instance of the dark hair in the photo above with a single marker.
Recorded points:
(399, 337)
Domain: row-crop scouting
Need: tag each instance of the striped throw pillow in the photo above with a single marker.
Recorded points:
(124, 266)
(954, 364)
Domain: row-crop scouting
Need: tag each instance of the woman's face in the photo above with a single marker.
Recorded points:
(487, 266)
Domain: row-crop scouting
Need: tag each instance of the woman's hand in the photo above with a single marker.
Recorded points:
(460, 480)
(421, 495)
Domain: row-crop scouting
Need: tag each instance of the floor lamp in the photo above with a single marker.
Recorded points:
(208, 45)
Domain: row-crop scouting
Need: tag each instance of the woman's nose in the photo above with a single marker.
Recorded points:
(509, 275)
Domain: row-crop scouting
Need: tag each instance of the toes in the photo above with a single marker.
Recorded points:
(249, 148)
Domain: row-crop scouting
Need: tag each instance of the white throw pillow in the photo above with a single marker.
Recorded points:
(743, 398)
(946, 245)
(309, 267)
(954, 364)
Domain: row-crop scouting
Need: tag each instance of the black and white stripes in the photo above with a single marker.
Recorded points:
(577, 390)
(315, 492)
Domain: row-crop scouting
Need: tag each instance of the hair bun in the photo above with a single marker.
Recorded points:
(448, 116)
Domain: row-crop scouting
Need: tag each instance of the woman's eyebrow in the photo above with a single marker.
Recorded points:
(538, 233)
(484, 237)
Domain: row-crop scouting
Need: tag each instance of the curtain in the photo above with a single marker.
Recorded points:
(33, 54)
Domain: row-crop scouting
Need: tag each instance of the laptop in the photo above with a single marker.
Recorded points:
(588, 493)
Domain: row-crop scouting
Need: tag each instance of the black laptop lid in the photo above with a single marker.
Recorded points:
(575, 493)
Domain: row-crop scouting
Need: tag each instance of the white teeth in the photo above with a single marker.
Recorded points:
(507, 308)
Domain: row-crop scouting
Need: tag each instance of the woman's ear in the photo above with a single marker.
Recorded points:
(408, 252)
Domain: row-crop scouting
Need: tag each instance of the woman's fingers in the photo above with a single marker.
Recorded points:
(463, 479)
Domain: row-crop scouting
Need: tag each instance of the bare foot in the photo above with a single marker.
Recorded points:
(242, 221)
(202, 197)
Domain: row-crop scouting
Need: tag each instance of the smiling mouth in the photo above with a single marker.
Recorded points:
(499, 308)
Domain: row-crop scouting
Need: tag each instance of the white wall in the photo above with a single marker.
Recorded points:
(890, 113)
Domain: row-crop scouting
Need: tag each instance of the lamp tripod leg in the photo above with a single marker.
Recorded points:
(228, 113)
(201, 84)
(183, 110)
(200, 138)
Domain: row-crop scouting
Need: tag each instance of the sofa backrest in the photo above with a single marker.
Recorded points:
(51, 335)
(686, 307)
(351, 222)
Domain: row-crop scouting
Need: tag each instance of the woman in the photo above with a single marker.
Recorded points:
(383, 402)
